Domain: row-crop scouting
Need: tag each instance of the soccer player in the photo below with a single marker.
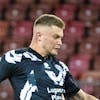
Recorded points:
(34, 72)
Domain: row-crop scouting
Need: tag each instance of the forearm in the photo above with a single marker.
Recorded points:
(90, 97)
(83, 96)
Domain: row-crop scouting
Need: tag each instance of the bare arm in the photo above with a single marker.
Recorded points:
(81, 95)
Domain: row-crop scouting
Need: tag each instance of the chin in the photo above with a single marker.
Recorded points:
(54, 53)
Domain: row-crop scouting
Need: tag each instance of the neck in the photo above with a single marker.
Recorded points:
(37, 48)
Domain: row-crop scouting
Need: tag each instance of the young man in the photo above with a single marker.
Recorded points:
(34, 72)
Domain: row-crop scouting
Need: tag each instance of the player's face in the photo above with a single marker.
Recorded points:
(52, 40)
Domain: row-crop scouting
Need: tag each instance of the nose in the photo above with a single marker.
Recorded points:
(60, 42)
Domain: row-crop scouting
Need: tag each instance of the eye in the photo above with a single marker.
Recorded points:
(56, 36)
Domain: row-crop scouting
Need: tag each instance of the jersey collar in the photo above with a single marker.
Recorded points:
(37, 54)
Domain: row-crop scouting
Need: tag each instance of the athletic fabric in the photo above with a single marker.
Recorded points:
(34, 77)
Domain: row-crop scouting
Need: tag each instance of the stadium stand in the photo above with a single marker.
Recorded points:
(95, 2)
(15, 12)
(4, 25)
(66, 12)
(10, 44)
(65, 54)
(75, 1)
(25, 2)
(95, 31)
(6, 91)
(22, 31)
(81, 42)
(90, 82)
(74, 30)
(97, 62)
(88, 14)
(87, 47)
(4, 2)
(76, 63)
(50, 2)
(37, 10)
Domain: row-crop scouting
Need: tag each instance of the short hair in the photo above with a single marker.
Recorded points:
(49, 20)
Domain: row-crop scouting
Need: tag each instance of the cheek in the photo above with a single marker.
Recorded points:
(50, 45)
(49, 41)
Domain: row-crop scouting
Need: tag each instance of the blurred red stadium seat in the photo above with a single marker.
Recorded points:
(23, 31)
(90, 82)
(1, 7)
(50, 2)
(78, 64)
(10, 44)
(4, 2)
(3, 29)
(75, 1)
(67, 49)
(62, 55)
(88, 14)
(95, 30)
(97, 62)
(25, 2)
(74, 30)
(37, 10)
(6, 91)
(95, 2)
(15, 12)
(66, 11)
(89, 47)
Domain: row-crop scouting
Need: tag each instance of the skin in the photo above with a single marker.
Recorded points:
(48, 40)
(81, 95)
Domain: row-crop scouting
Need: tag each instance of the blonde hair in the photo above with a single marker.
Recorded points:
(49, 20)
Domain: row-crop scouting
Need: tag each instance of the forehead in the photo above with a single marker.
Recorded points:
(48, 30)
(54, 30)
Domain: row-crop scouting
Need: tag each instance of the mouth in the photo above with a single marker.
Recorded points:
(57, 49)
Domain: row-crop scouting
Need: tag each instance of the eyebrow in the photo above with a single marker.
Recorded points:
(57, 36)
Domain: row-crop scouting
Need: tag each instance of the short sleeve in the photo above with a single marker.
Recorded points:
(71, 86)
(5, 69)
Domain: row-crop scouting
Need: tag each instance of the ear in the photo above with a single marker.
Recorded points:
(39, 35)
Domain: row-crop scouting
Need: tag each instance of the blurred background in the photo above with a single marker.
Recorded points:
(81, 42)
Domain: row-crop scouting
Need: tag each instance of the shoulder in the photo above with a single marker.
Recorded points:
(0, 58)
(14, 56)
(64, 66)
